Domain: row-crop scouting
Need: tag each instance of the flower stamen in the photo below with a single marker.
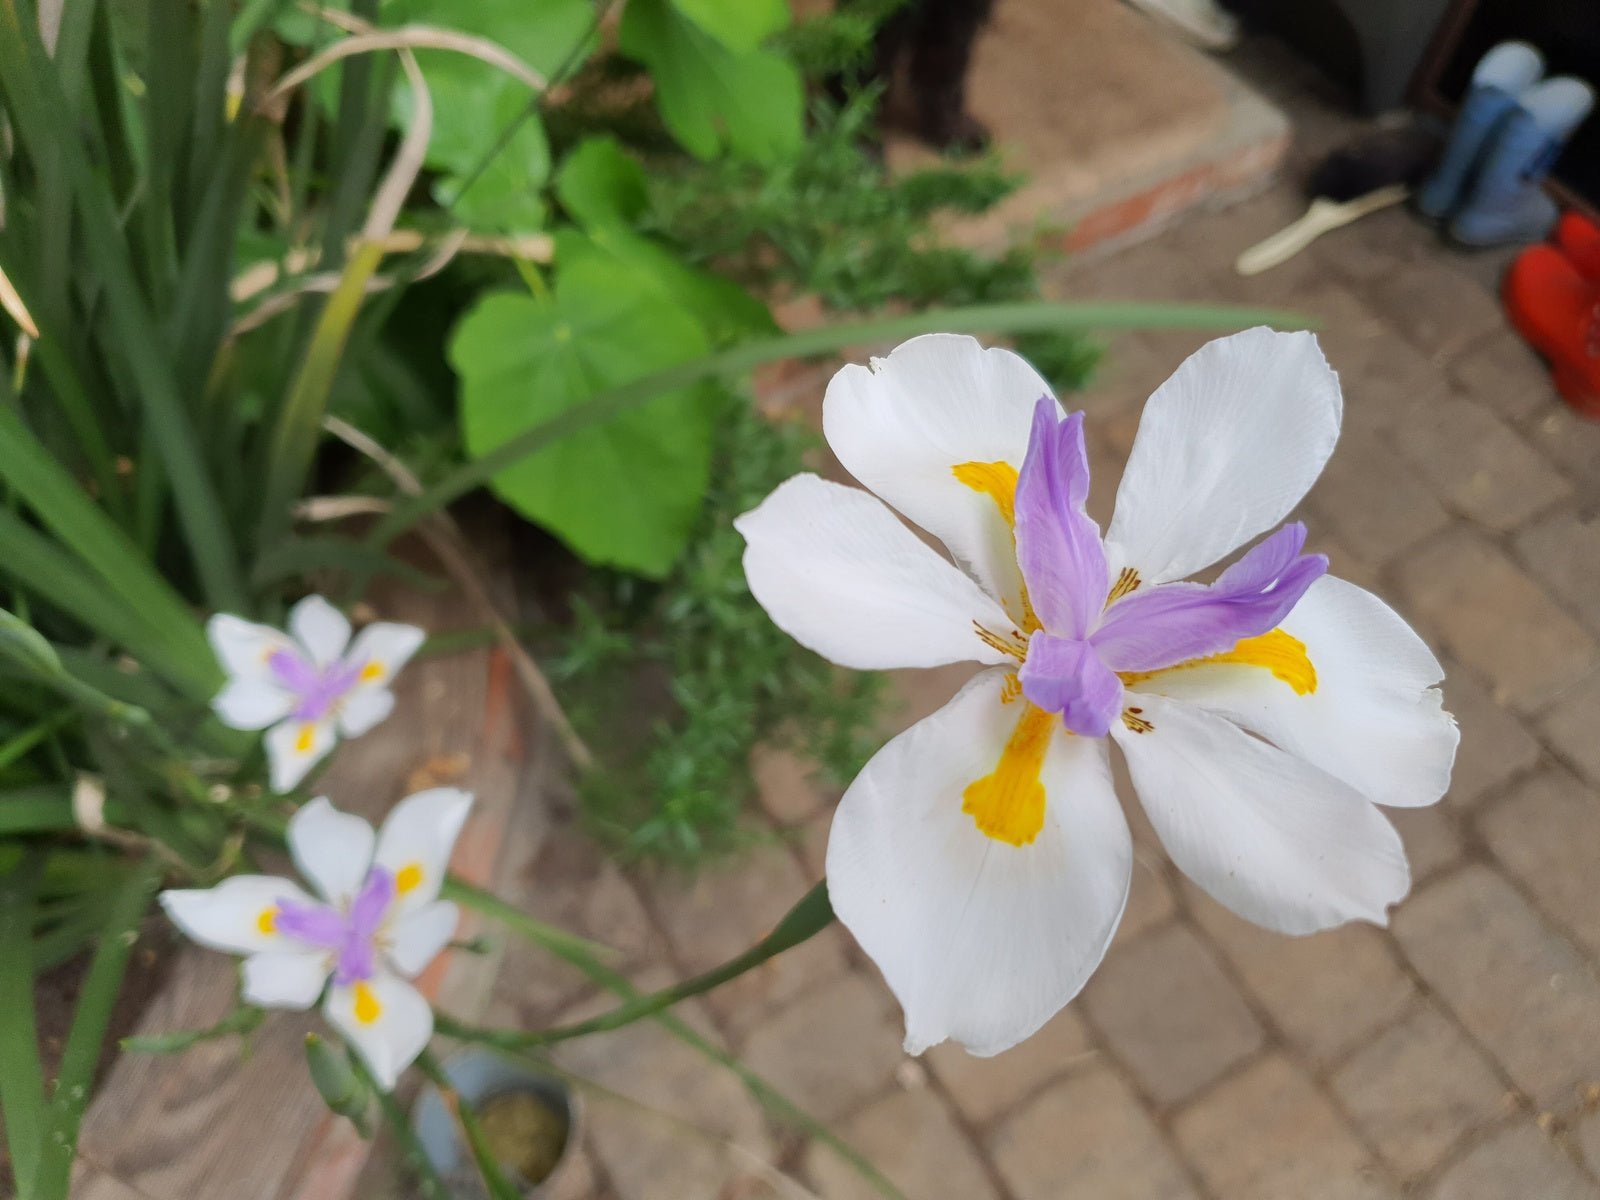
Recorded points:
(1127, 581)
(1011, 644)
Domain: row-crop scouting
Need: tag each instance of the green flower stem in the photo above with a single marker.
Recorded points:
(806, 919)
(493, 1176)
(982, 318)
(429, 1185)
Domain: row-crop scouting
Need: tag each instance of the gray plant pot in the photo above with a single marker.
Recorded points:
(482, 1078)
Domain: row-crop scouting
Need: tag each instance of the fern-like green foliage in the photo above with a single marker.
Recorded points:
(717, 679)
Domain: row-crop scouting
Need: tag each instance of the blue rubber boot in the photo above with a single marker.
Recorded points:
(1499, 79)
(1506, 204)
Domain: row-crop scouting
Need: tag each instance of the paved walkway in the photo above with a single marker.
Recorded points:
(1454, 1056)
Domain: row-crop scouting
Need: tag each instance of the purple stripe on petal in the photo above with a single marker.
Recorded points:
(313, 924)
(1058, 546)
(1066, 676)
(1175, 622)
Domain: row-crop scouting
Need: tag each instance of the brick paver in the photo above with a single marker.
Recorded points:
(1455, 1056)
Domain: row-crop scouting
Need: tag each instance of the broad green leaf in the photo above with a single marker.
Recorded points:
(475, 104)
(624, 493)
(600, 184)
(711, 98)
(26, 646)
(740, 25)
(21, 1074)
(507, 195)
(724, 310)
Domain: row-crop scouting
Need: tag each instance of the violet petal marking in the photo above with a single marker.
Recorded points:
(1066, 676)
(314, 924)
(1058, 546)
(1175, 622)
(357, 958)
(316, 691)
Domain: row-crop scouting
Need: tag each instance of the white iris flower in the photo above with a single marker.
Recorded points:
(311, 685)
(981, 858)
(376, 922)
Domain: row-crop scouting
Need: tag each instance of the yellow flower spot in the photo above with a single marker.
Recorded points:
(1010, 688)
(267, 922)
(1008, 804)
(998, 481)
(368, 1009)
(372, 672)
(305, 739)
(407, 878)
(1281, 653)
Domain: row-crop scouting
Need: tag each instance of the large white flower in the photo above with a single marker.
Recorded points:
(981, 858)
(311, 684)
(379, 921)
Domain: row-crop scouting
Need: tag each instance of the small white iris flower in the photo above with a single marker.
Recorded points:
(378, 922)
(981, 858)
(310, 685)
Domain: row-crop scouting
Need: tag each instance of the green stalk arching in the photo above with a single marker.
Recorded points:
(810, 916)
(991, 318)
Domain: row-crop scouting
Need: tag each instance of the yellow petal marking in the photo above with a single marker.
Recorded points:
(306, 738)
(267, 922)
(407, 877)
(998, 481)
(367, 1007)
(372, 672)
(1281, 653)
(1008, 804)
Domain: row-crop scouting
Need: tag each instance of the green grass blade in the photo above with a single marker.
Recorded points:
(41, 566)
(95, 1003)
(587, 957)
(40, 116)
(62, 506)
(1033, 317)
(299, 426)
(21, 1074)
(46, 808)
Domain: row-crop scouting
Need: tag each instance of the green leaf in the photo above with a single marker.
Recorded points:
(725, 310)
(740, 25)
(624, 493)
(600, 184)
(711, 98)
(475, 103)
(95, 1002)
(21, 1075)
(242, 1020)
(1032, 316)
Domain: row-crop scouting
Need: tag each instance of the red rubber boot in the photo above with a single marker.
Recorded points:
(1557, 310)
(1579, 239)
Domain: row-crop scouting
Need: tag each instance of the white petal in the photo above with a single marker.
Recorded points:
(243, 647)
(294, 747)
(1270, 836)
(383, 648)
(1225, 449)
(233, 916)
(386, 1020)
(363, 708)
(839, 573)
(1375, 720)
(416, 937)
(284, 979)
(416, 840)
(321, 628)
(981, 940)
(251, 703)
(332, 849)
(903, 425)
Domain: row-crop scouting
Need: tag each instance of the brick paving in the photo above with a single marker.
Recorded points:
(1453, 1056)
